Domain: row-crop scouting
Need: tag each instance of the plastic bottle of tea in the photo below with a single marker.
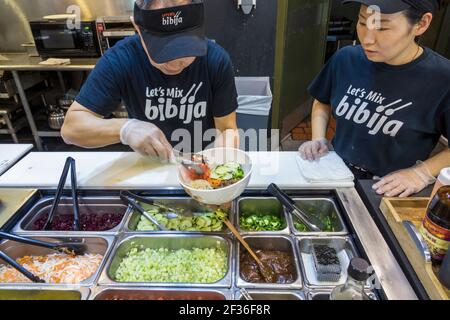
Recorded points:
(436, 226)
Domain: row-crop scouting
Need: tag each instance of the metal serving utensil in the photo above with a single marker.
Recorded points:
(191, 162)
(76, 248)
(131, 199)
(13, 263)
(69, 165)
(293, 209)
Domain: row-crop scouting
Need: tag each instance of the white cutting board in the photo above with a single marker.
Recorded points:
(121, 170)
(10, 153)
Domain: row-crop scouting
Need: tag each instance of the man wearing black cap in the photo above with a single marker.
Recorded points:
(390, 98)
(178, 86)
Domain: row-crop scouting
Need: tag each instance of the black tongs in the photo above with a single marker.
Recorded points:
(290, 205)
(68, 248)
(69, 165)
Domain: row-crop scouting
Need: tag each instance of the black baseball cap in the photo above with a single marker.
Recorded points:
(173, 33)
(394, 6)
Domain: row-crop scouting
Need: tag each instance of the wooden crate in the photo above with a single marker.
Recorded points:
(398, 210)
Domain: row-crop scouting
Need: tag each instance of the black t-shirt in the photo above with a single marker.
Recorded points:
(187, 102)
(387, 117)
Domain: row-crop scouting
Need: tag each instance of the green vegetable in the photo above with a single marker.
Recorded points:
(261, 223)
(327, 222)
(228, 171)
(164, 265)
(205, 222)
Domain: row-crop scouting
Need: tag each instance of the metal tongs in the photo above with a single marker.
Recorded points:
(192, 162)
(68, 248)
(133, 199)
(292, 207)
(69, 165)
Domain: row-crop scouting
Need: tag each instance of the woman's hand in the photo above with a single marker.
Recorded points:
(405, 182)
(314, 150)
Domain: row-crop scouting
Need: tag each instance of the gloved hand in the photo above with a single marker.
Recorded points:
(146, 139)
(314, 150)
(405, 182)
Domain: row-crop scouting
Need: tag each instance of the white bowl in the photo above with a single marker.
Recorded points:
(219, 156)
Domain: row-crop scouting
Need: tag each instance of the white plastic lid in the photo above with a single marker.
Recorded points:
(444, 176)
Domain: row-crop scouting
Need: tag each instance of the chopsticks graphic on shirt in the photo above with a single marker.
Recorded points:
(69, 165)
(390, 112)
(192, 98)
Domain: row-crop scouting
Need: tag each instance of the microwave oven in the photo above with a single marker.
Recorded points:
(55, 39)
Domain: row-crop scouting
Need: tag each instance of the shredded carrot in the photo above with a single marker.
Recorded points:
(54, 268)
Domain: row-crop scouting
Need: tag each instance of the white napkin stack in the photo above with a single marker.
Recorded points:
(55, 62)
(328, 168)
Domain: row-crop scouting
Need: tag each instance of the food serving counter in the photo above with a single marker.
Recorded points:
(127, 274)
(204, 260)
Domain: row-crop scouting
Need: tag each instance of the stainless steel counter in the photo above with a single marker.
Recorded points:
(22, 62)
(390, 275)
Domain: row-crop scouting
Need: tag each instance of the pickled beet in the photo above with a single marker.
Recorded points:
(88, 222)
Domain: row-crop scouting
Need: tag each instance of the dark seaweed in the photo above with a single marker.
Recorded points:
(326, 255)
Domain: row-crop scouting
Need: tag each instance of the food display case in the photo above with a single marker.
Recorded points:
(121, 240)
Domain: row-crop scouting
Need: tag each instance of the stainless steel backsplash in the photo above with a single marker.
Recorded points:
(15, 14)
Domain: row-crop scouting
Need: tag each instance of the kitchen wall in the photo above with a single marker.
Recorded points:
(241, 35)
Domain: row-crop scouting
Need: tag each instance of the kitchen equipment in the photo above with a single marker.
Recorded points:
(112, 29)
(95, 207)
(293, 209)
(95, 244)
(266, 272)
(69, 165)
(191, 162)
(280, 243)
(54, 39)
(111, 293)
(8, 87)
(245, 294)
(135, 205)
(66, 101)
(31, 49)
(170, 213)
(127, 242)
(55, 118)
(19, 268)
(77, 248)
(219, 156)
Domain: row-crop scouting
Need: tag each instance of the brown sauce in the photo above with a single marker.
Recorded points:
(280, 262)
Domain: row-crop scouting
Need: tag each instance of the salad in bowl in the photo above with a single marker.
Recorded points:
(222, 176)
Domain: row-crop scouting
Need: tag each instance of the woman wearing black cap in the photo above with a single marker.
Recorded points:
(390, 98)
(178, 86)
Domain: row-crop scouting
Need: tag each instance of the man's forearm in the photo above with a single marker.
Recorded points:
(228, 138)
(91, 132)
(438, 162)
(320, 117)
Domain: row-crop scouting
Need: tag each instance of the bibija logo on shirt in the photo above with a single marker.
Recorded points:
(169, 103)
(378, 121)
(172, 19)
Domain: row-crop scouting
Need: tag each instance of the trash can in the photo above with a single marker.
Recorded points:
(255, 104)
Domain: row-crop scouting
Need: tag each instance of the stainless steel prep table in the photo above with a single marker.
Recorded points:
(17, 62)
